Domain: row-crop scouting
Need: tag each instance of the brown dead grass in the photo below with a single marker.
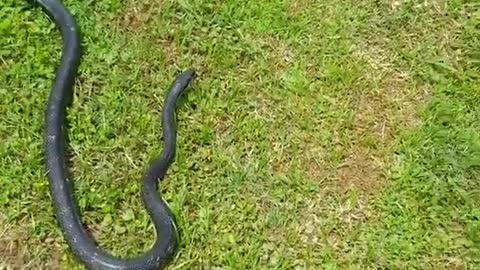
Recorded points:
(137, 20)
(18, 252)
(360, 169)
(383, 108)
(280, 55)
(379, 116)
(9, 254)
(137, 16)
(170, 50)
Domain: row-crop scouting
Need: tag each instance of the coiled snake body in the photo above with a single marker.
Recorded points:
(80, 241)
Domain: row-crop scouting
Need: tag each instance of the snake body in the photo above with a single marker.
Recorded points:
(81, 243)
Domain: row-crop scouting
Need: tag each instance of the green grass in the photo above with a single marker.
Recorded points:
(318, 134)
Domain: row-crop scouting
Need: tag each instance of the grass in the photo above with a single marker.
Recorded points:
(318, 134)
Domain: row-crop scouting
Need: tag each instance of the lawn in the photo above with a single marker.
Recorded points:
(333, 134)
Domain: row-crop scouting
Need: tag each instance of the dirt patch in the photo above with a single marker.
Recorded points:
(10, 255)
(360, 169)
(383, 107)
(136, 16)
(379, 115)
(138, 19)
(17, 252)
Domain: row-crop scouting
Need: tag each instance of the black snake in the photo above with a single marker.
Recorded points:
(81, 243)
